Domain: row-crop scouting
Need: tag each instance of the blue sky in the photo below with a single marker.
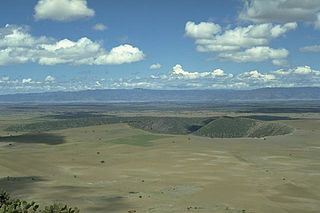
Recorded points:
(50, 45)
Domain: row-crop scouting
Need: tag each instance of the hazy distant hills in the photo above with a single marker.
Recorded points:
(145, 95)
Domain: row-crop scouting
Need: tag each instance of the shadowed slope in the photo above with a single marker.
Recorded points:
(221, 127)
(45, 138)
(168, 125)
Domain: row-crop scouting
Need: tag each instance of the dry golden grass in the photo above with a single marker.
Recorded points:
(105, 169)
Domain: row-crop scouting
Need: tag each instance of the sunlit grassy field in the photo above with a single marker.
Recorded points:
(118, 168)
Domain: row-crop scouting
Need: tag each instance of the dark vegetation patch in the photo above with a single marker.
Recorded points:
(44, 138)
(283, 110)
(227, 127)
(63, 124)
(12, 205)
(268, 117)
(168, 125)
(216, 127)
(238, 127)
(75, 115)
(194, 128)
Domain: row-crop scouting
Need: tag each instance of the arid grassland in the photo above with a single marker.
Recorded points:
(144, 159)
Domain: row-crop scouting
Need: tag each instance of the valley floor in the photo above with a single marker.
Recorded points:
(116, 168)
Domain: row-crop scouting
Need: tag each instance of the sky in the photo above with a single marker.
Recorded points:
(70, 45)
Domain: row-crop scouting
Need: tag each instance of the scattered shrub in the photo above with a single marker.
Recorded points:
(11, 205)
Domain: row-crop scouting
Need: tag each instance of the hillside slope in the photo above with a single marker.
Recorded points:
(168, 125)
(237, 127)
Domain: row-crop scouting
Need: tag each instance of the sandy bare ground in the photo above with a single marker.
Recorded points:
(104, 169)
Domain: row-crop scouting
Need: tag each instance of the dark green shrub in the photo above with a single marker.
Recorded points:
(10, 205)
(59, 208)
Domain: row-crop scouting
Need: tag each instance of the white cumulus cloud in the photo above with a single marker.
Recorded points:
(98, 84)
(256, 75)
(120, 55)
(312, 48)
(241, 37)
(241, 44)
(298, 71)
(303, 70)
(27, 81)
(179, 72)
(49, 78)
(17, 45)
(62, 10)
(256, 54)
(201, 30)
(176, 78)
(281, 11)
(155, 66)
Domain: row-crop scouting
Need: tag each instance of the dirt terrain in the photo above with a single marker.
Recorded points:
(117, 168)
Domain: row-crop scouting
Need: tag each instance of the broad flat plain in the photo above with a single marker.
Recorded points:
(117, 168)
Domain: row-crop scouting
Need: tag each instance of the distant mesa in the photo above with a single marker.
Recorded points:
(145, 95)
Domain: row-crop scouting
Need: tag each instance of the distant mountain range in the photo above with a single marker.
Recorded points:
(145, 95)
